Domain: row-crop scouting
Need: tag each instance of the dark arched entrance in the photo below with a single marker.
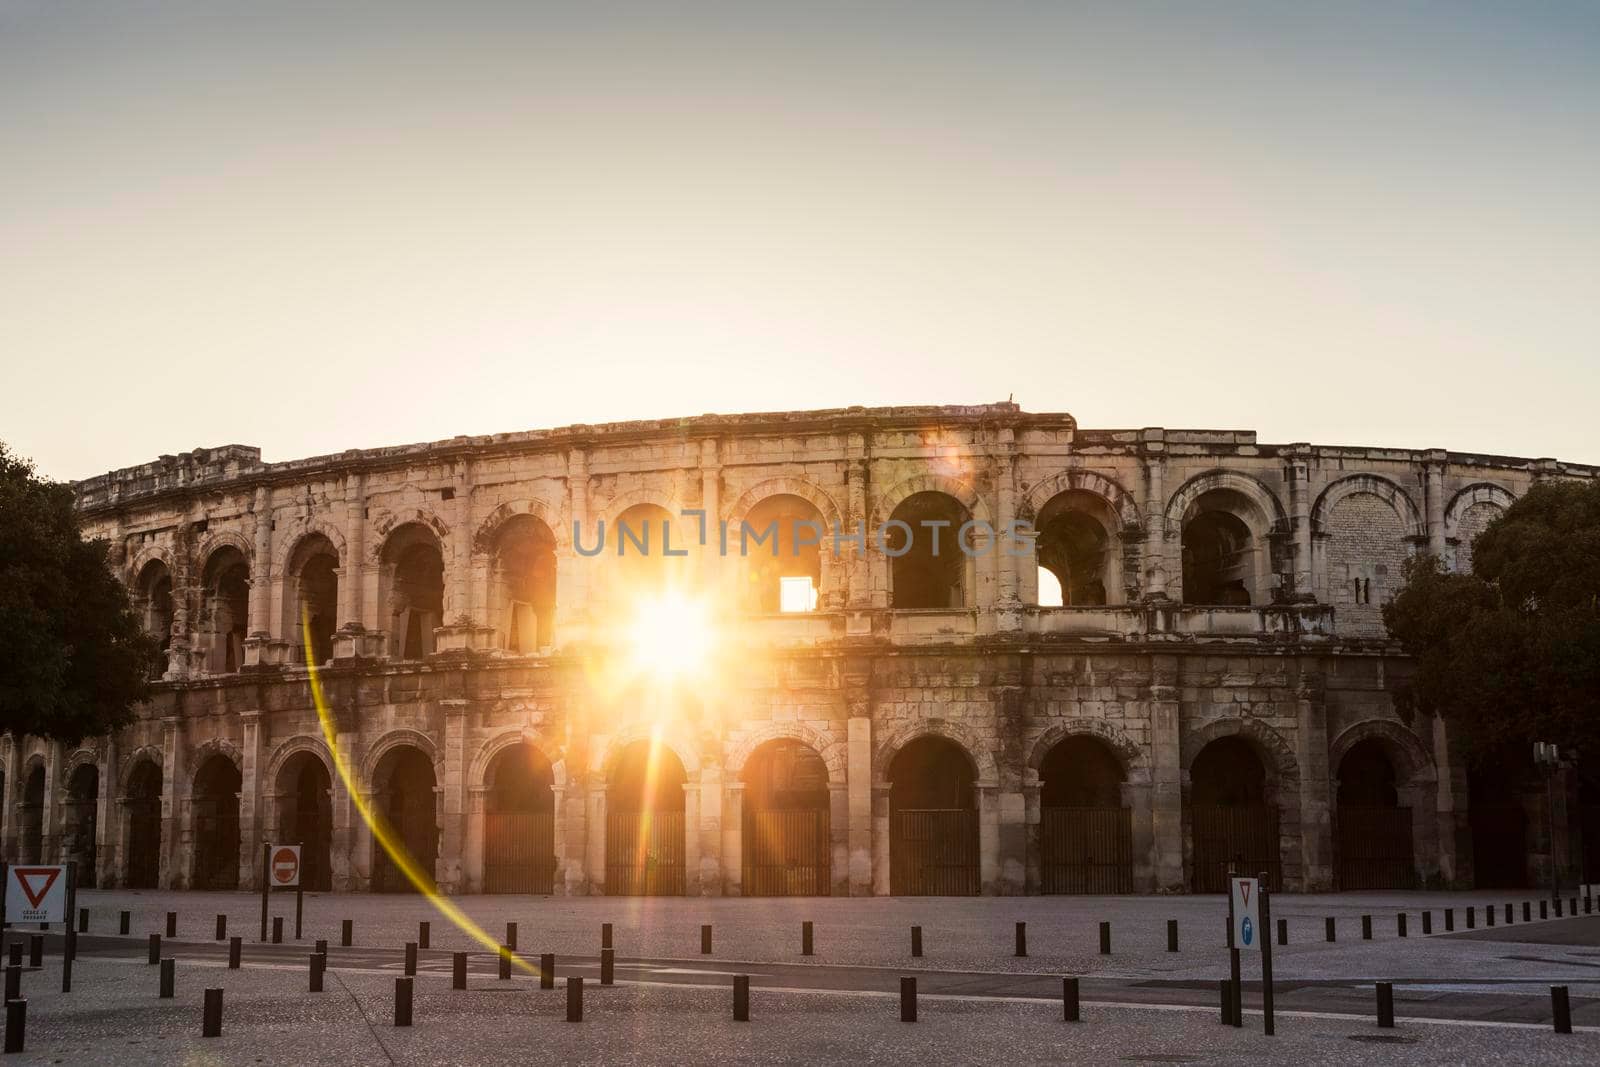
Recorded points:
(645, 853)
(1232, 821)
(305, 817)
(1085, 833)
(1374, 831)
(214, 810)
(933, 820)
(403, 794)
(785, 834)
(1499, 819)
(519, 823)
(82, 821)
(143, 810)
(30, 840)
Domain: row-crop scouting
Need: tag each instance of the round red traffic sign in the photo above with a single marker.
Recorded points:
(286, 866)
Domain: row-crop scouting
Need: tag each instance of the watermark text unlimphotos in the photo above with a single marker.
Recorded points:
(893, 538)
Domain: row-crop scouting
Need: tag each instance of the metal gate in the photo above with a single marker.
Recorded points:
(1086, 850)
(645, 854)
(785, 853)
(519, 852)
(1375, 848)
(1246, 837)
(934, 852)
(1499, 845)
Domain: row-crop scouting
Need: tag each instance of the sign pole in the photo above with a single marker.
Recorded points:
(1266, 952)
(299, 904)
(5, 891)
(69, 947)
(1233, 958)
(266, 877)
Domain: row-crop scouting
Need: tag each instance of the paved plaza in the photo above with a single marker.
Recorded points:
(1476, 996)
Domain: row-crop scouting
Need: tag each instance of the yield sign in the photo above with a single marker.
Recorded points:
(36, 882)
(36, 893)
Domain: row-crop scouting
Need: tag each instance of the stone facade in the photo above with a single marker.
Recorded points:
(426, 615)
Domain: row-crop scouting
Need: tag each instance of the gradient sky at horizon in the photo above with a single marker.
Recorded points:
(312, 230)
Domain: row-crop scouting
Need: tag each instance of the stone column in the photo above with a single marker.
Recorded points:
(452, 796)
(346, 869)
(1034, 814)
(1450, 807)
(1311, 752)
(352, 569)
(1011, 841)
(174, 854)
(1433, 478)
(596, 839)
(474, 872)
(691, 839)
(839, 839)
(1166, 772)
(988, 799)
(881, 883)
(50, 829)
(1297, 473)
(459, 608)
(573, 572)
(733, 839)
(1138, 797)
(1421, 796)
(707, 555)
(253, 831)
(106, 816)
(861, 814)
(710, 824)
(1156, 574)
(857, 561)
(13, 788)
(1008, 601)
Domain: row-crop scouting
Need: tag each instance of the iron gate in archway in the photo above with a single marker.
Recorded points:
(1086, 850)
(519, 852)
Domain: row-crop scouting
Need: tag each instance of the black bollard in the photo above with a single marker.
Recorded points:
(1366, 928)
(1449, 919)
(605, 935)
(1558, 907)
(83, 920)
(505, 962)
(1400, 924)
(511, 936)
(211, 1020)
(574, 998)
(169, 977)
(235, 950)
(1427, 922)
(424, 931)
(172, 924)
(1527, 912)
(319, 964)
(458, 971)
(277, 929)
(411, 957)
(916, 940)
(1283, 931)
(1488, 915)
(1508, 913)
(908, 999)
(1561, 1009)
(222, 928)
(1069, 1000)
(1588, 905)
(805, 938)
(1172, 935)
(347, 933)
(321, 948)
(1574, 907)
(123, 920)
(741, 998)
(402, 1001)
(705, 940)
(16, 1024)
(13, 982)
(35, 950)
(608, 966)
(547, 971)
(1544, 909)
(1328, 928)
(1472, 917)
(1386, 1005)
(155, 949)
(1105, 939)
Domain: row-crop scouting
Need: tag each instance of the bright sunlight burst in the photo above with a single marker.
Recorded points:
(671, 635)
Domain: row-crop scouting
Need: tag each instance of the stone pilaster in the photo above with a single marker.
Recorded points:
(733, 838)
(1311, 753)
(708, 826)
(174, 854)
(107, 810)
(1433, 479)
(1166, 772)
(452, 797)
(253, 831)
(595, 840)
(1297, 475)
(1003, 557)
(1158, 579)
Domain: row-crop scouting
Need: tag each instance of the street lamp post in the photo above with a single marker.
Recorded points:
(1548, 757)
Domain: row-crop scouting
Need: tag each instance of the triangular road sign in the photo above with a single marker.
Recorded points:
(36, 881)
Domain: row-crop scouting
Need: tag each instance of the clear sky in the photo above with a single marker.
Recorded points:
(307, 230)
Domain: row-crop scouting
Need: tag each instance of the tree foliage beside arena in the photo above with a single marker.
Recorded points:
(1510, 654)
(74, 660)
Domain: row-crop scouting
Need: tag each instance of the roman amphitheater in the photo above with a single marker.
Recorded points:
(1158, 652)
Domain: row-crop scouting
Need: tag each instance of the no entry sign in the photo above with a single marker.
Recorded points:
(36, 894)
(285, 866)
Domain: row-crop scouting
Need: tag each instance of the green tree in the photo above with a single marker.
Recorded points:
(1510, 653)
(74, 660)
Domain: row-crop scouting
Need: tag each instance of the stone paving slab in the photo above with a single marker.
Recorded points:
(114, 1018)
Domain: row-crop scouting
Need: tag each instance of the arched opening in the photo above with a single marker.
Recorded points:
(305, 817)
(1499, 818)
(519, 823)
(81, 821)
(650, 555)
(313, 582)
(780, 541)
(224, 610)
(933, 812)
(143, 808)
(1374, 831)
(645, 854)
(403, 793)
(927, 567)
(786, 851)
(1219, 552)
(1085, 832)
(1074, 549)
(214, 811)
(522, 585)
(30, 840)
(413, 575)
(154, 604)
(1233, 822)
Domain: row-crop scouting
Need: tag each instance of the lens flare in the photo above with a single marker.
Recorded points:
(671, 635)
